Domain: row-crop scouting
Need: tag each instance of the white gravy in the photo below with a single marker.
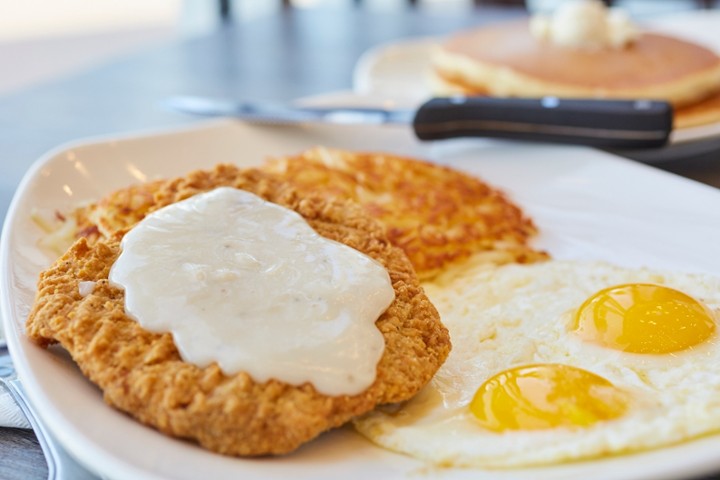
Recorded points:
(250, 285)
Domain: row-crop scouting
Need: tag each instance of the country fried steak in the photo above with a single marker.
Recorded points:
(143, 374)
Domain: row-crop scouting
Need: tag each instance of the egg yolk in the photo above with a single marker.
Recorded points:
(538, 397)
(644, 318)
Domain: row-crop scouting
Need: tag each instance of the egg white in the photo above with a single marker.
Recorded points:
(516, 315)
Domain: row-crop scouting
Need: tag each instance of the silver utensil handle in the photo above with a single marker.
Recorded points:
(47, 446)
(61, 466)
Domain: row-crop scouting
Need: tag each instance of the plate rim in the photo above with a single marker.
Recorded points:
(13, 334)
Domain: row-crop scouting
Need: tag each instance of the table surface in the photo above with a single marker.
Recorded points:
(280, 57)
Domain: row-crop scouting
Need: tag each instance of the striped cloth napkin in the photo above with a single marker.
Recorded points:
(10, 414)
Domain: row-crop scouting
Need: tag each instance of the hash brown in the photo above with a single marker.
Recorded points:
(437, 215)
(143, 374)
(116, 212)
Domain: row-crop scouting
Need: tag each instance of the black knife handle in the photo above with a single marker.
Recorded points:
(618, 124)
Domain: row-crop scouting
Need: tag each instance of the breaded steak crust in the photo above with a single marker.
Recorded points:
(439, 216)
(143, 374)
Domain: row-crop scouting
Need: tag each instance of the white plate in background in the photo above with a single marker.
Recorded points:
(587, 204)
(399, 71)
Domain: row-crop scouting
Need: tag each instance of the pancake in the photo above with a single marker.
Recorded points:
(701, 113)
(705, 112)
(437, 215)
(506, 60)
(142, 373)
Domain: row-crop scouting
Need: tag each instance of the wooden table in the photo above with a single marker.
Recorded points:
(289, 55)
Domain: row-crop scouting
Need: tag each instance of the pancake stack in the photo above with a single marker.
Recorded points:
(508, 60)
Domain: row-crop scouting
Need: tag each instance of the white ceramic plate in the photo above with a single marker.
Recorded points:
(399, 71)
(588, 205)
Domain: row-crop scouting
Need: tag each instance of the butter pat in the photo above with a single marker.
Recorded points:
(250, 285)
(585, 24)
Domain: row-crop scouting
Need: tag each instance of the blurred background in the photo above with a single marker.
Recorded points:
(41, 40)
(73, 69)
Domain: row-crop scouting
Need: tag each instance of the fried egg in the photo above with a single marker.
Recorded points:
(562, 361)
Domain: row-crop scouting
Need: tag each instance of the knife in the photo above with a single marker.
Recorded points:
(619, 124)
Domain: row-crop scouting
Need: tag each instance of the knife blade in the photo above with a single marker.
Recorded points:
(614, 124)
